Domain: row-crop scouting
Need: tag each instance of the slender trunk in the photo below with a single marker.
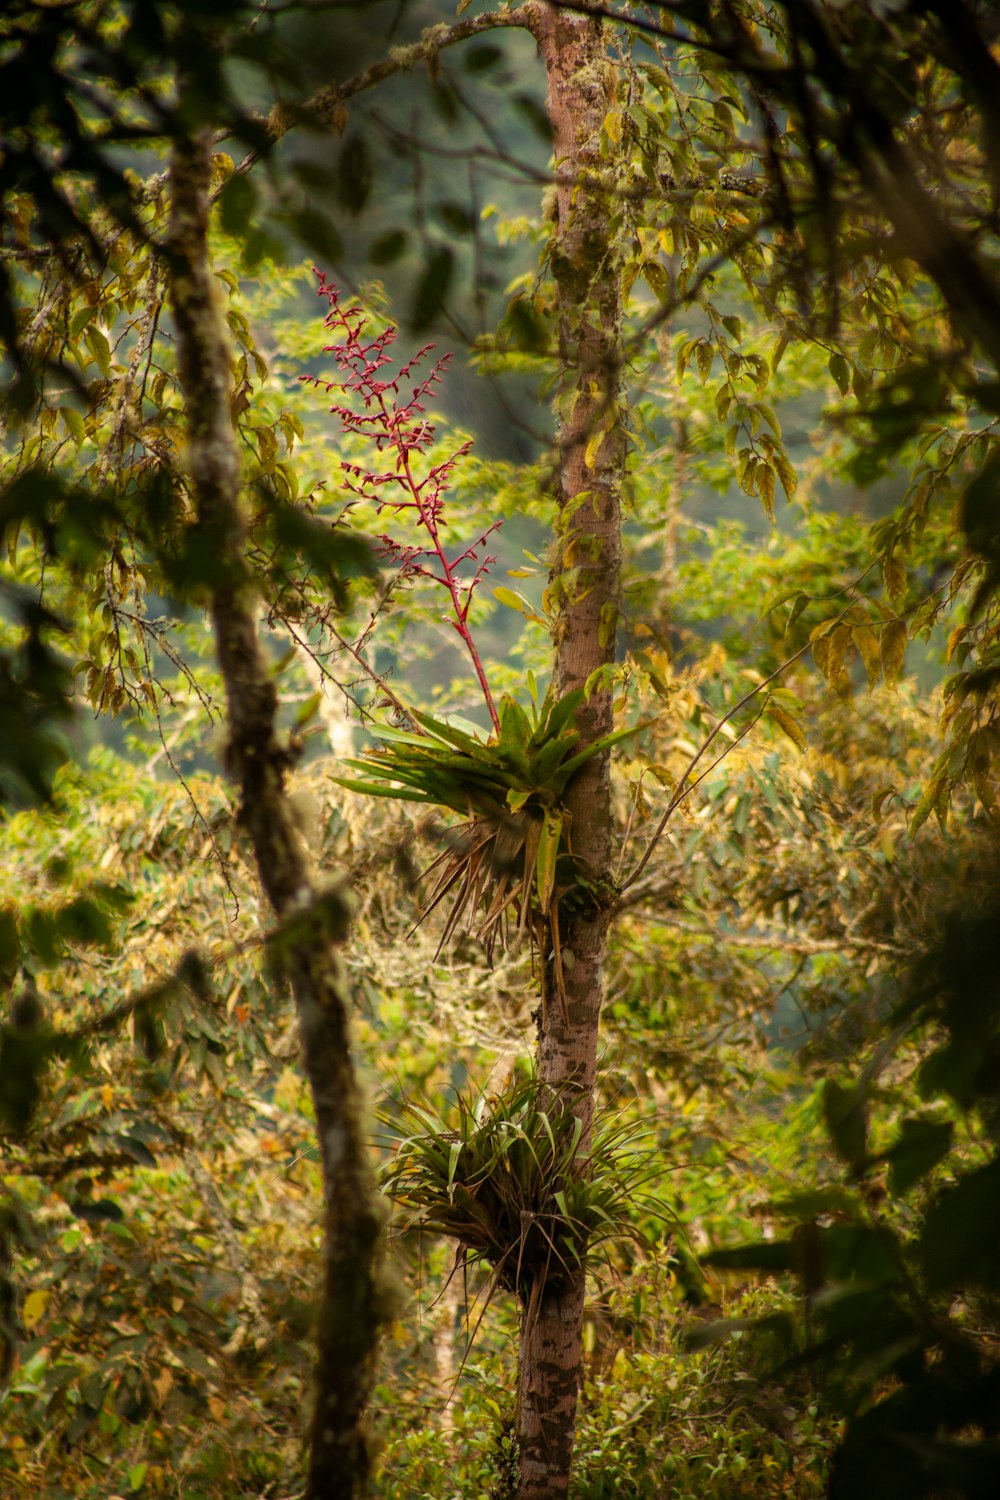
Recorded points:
(586, 584)
(312, 923)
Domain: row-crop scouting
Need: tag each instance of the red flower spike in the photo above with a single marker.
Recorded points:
(400, 426)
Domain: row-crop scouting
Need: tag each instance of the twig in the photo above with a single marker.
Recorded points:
(682, 788)
(777, 942)
(326, 106)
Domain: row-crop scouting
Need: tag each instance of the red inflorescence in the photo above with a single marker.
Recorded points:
(400, 427)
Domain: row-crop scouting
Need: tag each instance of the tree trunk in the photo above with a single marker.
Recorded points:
(585, 583)
(312, 921)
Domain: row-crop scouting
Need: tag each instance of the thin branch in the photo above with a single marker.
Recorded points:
(770, 943)
(327, 104)
(682, 788)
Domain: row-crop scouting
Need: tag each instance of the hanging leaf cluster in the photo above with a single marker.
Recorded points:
(503, 1179)
(511, 859)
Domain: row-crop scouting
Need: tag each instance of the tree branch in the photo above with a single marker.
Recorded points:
(312, 921)
(326, 106)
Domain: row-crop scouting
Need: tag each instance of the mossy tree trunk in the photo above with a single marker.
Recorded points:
(311, 922)
(586, 582)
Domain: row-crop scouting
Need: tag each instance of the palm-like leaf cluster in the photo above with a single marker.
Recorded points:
(502, 1177)
(511, 860)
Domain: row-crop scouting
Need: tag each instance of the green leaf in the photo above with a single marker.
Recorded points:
(769, 1255)
(515, 726)
(547, 857)
(921, 1145)
(237, 204)
(841, 372)
(512, 600)
(379, 789)
(599, 745)
(535, 115)
(845, 1111)
(812, 1204)
(96, 341)
(388, 247)
(354, 173)
(80, 319)
(454, 1154)
(959, 1242)
(479, 58)
(74, 423)
(455, 731)
(455, 217)
(318, 233)
(432, 288)
(979, 511)
(390, 735)
(559, 714)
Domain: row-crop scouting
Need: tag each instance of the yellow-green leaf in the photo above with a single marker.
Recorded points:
(892, 649)
(786, 472)
(34, 1307)
(894, 574)
(787, 724)
(593, 448)
(545, 860)
(96, 341)
(935, 794)
(867, 642)
(74, 423)
(764, 479)
(509, 599)
(879, 800)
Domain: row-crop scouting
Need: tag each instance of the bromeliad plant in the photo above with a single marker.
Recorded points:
(501, 1176)
(511, 860)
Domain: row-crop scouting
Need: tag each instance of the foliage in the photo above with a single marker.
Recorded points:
(788, 333)
(513, 855)
(506, 1183)
(147, 1195)
(902, 1305)
(649, 1412)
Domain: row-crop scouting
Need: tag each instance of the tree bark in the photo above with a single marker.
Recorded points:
(585, 583)
(312, 921)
